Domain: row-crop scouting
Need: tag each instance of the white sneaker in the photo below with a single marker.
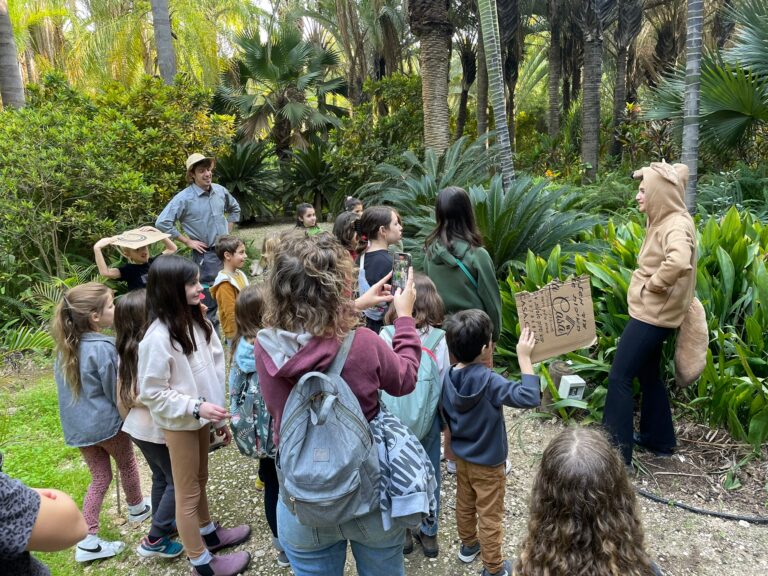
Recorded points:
(92, 548)
(140, 511)
(507, 467)
(450, 466)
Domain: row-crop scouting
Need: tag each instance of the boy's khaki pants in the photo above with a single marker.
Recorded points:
(480, 509)
(189, 463)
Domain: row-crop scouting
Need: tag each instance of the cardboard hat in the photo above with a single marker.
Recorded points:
(195, 158)
(138, 237)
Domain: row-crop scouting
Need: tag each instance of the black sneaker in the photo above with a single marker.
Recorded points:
(661, 452)
(428, 544)
(408, 542)
(505, 570)
(469, 553)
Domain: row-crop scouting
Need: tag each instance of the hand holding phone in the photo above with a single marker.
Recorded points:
(401, 263)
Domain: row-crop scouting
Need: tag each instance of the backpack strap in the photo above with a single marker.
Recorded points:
(434, 338)
(341, 355)
(466, 272)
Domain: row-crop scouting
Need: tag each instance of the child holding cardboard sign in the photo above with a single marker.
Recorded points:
(134, 245)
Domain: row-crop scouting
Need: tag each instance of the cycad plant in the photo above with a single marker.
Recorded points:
(279, 88)
(248, 172)
(530, 215)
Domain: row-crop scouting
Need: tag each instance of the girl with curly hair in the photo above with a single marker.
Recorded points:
(309, 312)
(584, 518)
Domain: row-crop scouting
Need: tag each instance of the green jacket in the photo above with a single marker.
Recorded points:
(456, 290)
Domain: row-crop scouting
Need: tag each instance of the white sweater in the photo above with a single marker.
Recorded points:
(170, 382)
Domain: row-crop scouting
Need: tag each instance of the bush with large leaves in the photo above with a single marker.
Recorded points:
(310, 178)
(530, 215)
(732, 284)
(248, 171)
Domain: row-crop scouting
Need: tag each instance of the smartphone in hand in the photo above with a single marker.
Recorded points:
(401, 262)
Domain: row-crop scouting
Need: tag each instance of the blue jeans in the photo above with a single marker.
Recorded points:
(323, 551)
(431, 444)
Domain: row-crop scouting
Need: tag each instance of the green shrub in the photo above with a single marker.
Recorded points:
(387, 124)
(76, 168)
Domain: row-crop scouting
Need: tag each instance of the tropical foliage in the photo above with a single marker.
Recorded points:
(732, 284)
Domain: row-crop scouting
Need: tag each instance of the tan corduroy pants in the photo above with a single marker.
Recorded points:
(480, 509)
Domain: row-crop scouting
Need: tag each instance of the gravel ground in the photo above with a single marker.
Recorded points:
(681, 543)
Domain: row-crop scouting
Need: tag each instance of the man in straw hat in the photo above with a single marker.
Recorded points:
(205, 211)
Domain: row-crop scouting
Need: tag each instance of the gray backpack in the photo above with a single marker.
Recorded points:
(327, 463)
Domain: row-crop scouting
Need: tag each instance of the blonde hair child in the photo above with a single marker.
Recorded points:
(86, 372)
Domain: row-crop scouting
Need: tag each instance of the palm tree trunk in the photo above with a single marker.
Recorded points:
(489, 25)
(693, 43)
(590, 108)
(435, 64)
(555, 66)
(482, 85)
(461, 116)
(11, 86)
(619, 99)
(166, 57)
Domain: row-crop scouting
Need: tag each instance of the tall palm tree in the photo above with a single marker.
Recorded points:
(166, 56)
(690, 155)
(554, 16)
(429, 23)
(11, 86)
(489, 25)
(630, 18)
(278, 87)
(468, 58)
(593, 19)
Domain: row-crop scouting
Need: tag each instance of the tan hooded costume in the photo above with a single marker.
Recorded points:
(664, 283)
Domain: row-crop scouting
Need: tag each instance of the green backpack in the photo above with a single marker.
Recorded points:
(417, 409)
(251, 424)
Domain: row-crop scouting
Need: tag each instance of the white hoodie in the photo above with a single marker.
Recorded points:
(170, 382)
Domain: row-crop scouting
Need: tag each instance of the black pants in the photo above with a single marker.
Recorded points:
(163, 493)
(268, 475)
(639, 356)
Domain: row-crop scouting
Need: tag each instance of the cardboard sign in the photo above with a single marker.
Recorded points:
(138, 238)
(561, 316)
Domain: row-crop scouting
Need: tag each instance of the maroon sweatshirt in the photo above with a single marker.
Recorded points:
(282, 358)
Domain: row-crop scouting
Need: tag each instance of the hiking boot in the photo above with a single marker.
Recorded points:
(141, 511)
(223, 537)
(93, 548)
(428, 544)
(282, 559)
(408, 542)
(163, 547)
(661, 452)
(224, 565)
(505, 570)
(469, 553)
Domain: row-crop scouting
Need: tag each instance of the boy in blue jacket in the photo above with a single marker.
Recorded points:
(472, 401)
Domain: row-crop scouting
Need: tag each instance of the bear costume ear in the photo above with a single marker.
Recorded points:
(667, 171)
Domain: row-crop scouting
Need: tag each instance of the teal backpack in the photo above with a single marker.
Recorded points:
(417, 409)
(251, 424)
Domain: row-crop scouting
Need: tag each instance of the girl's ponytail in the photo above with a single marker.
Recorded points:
(367, 227)
(72, 319)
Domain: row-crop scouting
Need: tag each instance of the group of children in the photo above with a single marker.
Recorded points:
(160, 383)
